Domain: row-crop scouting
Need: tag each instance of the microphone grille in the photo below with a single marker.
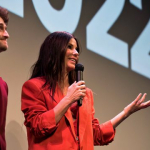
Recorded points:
(79, 67)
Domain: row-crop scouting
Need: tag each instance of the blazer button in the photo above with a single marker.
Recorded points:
(77, 139)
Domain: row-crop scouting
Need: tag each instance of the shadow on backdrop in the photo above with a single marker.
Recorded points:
(15, 136)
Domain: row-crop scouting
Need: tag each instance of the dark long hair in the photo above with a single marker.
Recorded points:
(50, 63)
(4, 14)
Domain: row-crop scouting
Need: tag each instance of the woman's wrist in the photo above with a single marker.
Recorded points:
(126, 112)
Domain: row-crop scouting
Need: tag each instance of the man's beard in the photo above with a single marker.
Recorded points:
(3, 48)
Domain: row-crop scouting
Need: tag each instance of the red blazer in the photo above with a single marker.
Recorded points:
(3, 108)
(43, 132)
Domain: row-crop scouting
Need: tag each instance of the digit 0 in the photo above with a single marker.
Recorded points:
(65, 19)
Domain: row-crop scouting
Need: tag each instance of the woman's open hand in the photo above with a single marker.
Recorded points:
(136, 105)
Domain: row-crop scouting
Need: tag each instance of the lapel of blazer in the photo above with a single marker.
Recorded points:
(83, 117)
(57, 97)
(68, 115)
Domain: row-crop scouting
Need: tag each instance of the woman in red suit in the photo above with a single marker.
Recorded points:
(49, 101)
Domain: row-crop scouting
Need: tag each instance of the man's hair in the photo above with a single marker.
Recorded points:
(4, 14)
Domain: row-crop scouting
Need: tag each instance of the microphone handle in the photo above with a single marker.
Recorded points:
(79, 77)
(80, 102)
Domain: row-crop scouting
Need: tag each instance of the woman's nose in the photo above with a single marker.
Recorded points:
(75, 52)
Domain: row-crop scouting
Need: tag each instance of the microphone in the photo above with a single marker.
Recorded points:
(79, 76)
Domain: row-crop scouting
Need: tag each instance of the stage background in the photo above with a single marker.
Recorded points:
(116, 77)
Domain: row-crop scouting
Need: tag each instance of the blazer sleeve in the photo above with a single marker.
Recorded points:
(39, 120)
(104, 133)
